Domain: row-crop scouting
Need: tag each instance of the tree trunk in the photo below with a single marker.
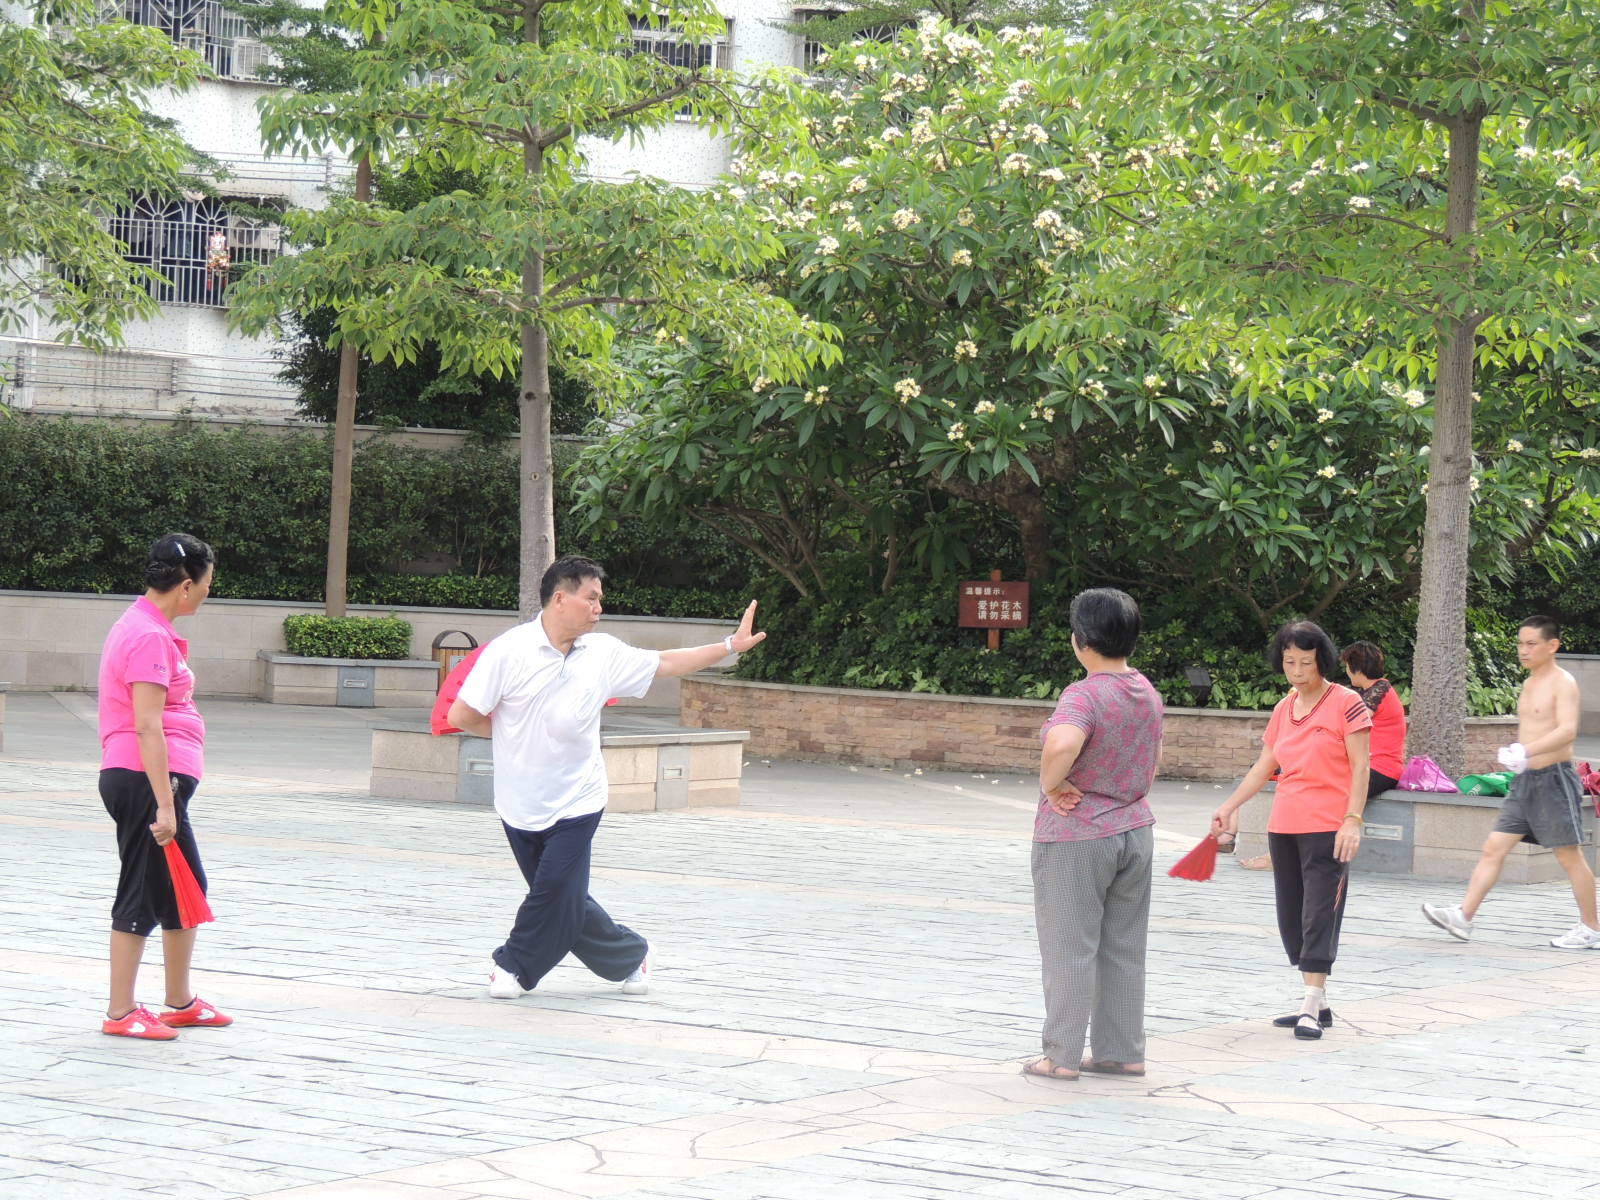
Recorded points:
(537, 540)
(1439, 670)
(344, 448)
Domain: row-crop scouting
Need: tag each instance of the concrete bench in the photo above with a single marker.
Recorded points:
(348, 682)
(1434, 835)
(654, 770)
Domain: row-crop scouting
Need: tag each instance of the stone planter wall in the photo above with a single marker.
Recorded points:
(647, 772)
(50, 641)
(977, 733)
(348, 682)
(1437, 835)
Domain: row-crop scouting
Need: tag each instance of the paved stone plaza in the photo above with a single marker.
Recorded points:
(847, 984)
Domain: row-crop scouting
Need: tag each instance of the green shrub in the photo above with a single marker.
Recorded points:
(347, 637)
(908, 641)
(84, 500)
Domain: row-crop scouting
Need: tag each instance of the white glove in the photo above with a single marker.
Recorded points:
(1513, 758)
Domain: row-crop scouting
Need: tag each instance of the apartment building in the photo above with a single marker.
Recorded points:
(186, 359)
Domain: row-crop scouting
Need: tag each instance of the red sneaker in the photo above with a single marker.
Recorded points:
(140, 1023)
(196, 1012)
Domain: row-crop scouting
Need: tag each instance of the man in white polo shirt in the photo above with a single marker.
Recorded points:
(537, 691)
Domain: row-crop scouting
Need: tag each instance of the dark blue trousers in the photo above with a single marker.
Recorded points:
(559, 916)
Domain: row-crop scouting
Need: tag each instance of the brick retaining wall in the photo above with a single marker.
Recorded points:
(903, 729)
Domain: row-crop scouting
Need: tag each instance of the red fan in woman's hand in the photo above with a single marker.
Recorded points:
(1200, 863)
(193, 908)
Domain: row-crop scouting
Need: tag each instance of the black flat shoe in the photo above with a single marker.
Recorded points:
(1324, 1018)
(1307, 1027)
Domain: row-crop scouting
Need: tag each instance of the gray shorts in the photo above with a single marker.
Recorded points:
(1545, 806)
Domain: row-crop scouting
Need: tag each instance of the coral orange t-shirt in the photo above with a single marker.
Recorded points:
(1313, 792)
(1389, 736)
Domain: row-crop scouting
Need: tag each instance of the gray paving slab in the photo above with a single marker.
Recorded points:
(845, 934)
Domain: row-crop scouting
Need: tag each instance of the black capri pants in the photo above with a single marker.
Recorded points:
(1311, 886)
(145, 898)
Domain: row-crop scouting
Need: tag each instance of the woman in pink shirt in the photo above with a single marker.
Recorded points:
(152, 744)
(1317, 742)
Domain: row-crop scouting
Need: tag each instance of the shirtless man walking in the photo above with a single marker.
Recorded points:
(1546, 800)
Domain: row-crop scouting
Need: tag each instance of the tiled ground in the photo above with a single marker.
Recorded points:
(839, 1013)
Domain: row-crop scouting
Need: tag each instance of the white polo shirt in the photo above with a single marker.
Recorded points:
(546, 708)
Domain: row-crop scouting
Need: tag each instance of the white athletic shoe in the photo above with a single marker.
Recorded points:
(503, 984)
(638, 984)
(1451, 919)
(1579, 937)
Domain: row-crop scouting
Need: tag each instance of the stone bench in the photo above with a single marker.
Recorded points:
(1434, 835)
(348, 682)
(657, 770)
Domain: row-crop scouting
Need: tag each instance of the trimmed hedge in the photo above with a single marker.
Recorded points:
(84, 500)
(347, 637)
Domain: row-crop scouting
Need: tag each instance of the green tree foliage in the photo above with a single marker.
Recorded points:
(75, 142)
(420, 392)
(1005, 239)
(538, 255)
(1418, 173)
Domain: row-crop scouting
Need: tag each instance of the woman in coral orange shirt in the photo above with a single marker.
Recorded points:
(1363, 663)
(1317, 741)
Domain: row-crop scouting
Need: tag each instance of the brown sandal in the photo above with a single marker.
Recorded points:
(1045, 1069)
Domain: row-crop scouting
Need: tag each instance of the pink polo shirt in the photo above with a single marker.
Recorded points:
(142, 647)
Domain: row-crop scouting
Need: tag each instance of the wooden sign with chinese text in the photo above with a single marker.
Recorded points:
(992, 604)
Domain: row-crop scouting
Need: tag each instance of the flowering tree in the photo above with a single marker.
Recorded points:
(538, 253)
(976, 214)
(1415, 174)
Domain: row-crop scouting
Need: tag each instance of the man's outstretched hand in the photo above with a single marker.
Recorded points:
(744, 639)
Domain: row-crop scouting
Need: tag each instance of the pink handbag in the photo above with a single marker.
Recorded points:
(1422, 774)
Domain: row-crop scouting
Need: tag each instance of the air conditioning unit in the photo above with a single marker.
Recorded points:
(248, 57)
(245, 233)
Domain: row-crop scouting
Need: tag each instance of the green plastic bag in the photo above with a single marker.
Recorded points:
(1496, 784)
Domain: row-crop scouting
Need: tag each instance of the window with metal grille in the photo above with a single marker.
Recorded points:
(218, 34)
(811, 49)
(198, 246)
(652, 35)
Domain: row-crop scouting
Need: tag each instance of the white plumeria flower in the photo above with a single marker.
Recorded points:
(891, 134)
(1474, 483)
(983, 408)
(958, 432)
(1324, 415)
(961, 258)
(966, 348)
(1153, 382)
(1218, 448)
(907, 389)
(1569, 182)
(1526, 152)
(827, 246)
(1357, 203)
(1514, 446)
(904, 218)
(1327, 472)
(1413, 398)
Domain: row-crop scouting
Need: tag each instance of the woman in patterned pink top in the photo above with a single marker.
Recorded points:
(1092, 847)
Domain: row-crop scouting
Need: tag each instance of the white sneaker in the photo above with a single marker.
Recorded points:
(1579, 937)
(1451, 919)
(638, 984)
(503, 984)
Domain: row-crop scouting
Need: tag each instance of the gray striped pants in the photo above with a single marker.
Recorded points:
(1091, 903)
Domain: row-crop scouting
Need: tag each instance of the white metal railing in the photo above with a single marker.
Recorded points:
(45, 376)
(218, 35)
(196, 246)
(323, 170)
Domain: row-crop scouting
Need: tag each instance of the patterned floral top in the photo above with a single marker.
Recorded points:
(1120, 715)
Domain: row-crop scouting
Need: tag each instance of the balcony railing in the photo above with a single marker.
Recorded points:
(197, 247)
(219, 36)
